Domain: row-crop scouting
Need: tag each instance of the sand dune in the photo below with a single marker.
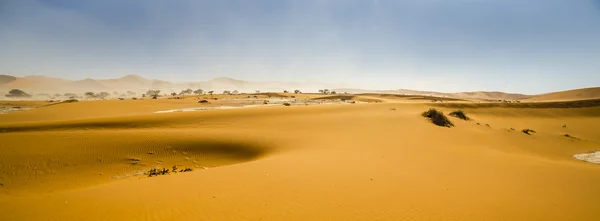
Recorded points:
(85, 161)
(4, 79)
(477, 95)
(577, 94)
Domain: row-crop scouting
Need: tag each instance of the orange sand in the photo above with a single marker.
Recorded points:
(78, 161)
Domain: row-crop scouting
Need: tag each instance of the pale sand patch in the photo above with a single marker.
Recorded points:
(210, 108)
(589, 157)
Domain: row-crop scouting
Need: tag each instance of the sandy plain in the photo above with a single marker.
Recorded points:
(377, 159)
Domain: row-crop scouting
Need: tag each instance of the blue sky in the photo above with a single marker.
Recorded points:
(532, 46)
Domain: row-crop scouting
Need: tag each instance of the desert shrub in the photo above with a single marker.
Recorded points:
(286, 104)
(528, 131)
(70, 101)
(459, 114)
(203, 102)
(265, 102)
(437, 118)
(572, 137)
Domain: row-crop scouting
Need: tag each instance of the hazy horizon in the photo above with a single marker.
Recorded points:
(511, 46)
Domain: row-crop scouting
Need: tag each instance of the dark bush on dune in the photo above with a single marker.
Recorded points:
(287, 104)
(459, 114)
(203, 102)
(528, 131)
(70, 101)
(437, 118)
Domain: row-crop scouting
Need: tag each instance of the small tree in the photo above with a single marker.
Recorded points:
(103, 95)
(199, 92)
(17, 93)
(326, 91)
(226, 92)
(211, 92)
(333, 92)
(90, 94)
(235, 92)
(173, 94)
(297, 91)
(321, 91)
(188, 91)
(285, 91)
(153, 92)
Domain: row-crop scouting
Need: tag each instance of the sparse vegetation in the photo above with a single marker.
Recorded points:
(459, 114)
(204, 102)
(165, 171)
(437, 118)
(286, 104)
(528, 131)
(70, 101)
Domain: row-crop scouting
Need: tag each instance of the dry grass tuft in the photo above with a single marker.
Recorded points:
(437, 118)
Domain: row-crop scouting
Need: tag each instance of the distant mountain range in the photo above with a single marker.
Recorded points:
(35, 84)
(42, 84)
